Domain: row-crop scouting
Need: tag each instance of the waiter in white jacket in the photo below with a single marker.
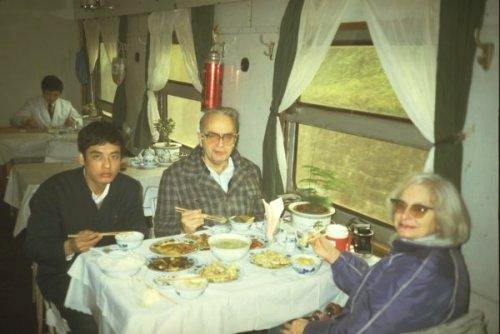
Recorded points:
(48, 110)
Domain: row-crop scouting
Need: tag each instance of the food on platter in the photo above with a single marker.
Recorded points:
(217, 272)
(270, 259)
(170, 264)
(170, 247)
(200, 240)
(256, 243)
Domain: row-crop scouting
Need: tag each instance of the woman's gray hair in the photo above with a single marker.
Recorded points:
(452, 217)
(226, 111)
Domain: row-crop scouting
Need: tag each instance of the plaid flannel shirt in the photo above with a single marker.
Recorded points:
(187, 183)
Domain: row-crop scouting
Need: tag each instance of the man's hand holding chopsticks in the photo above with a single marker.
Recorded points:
(82, 242)
(191, 220)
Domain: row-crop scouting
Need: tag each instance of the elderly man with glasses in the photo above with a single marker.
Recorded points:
(213, 180)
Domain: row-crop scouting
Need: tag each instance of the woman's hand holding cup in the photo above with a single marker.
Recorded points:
(325, 249)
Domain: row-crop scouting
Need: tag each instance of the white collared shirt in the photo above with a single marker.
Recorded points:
(225, 176)
(99, 198)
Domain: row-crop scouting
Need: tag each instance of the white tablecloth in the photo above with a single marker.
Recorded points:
(24, 180)
(18, 145)
(259, 299)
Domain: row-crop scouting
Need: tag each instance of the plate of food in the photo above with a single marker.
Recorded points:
(172, 247)
(218, 272)
(269, 259)
(171, 264)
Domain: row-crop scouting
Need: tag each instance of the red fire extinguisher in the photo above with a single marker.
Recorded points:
(212, 96)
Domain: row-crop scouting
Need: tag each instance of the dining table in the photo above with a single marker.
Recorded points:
(24, 180)
(30, 144)
(258, 299)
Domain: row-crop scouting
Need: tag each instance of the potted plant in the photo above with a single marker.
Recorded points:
(314, 208)
(166, 150)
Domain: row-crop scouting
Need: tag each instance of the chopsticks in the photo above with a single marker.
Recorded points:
(104, 234)
(217, 219)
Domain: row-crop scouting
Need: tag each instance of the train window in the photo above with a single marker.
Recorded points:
(182, 100)
(352, 85)
(367, 169)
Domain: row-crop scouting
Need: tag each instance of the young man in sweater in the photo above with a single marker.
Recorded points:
(84, 201)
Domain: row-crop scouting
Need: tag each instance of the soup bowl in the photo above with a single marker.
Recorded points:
(229, 247)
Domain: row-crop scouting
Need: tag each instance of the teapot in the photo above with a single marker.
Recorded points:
(148, 155)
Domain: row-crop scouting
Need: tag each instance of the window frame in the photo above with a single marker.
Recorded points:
(385, 128)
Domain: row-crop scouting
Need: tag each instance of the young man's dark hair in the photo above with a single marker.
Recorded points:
(52, 83)
(97, 133)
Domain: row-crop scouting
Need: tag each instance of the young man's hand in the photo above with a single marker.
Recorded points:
(84, 240)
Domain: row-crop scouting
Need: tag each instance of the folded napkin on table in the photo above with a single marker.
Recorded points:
(273, 212)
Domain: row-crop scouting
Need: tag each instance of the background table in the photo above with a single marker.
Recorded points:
(260, 299)
(33, 144)
(24, 180)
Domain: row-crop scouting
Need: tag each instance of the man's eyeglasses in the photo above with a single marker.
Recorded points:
(213, 138)
(416, 210)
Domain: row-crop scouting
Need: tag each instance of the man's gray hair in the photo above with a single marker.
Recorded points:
(452, 217)
(226, 111)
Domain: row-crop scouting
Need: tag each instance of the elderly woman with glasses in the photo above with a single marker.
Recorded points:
(422, 282)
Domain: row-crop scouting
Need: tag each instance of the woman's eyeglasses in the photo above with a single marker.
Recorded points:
(416, 210)
(214, 138)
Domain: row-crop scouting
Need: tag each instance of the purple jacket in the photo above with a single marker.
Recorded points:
(415, 286)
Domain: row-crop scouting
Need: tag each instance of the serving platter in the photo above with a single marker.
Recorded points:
(172, 247)
(269, 259)
(218, 272)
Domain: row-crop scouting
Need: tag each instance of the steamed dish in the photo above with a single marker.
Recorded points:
(218, 272)
(120, 265)
(270, 259)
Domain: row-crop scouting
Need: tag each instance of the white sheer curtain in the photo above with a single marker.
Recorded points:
(109, 32)
(405, 34)
(319, 22)
(92, 30)
(184, 34)
(160, 25)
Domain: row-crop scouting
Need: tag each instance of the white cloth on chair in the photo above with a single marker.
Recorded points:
(150, 196)
(54, 318)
